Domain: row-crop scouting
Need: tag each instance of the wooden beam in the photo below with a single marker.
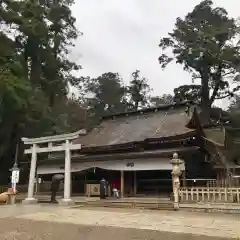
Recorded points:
(164, 153)
(55, 138)
(53, 149)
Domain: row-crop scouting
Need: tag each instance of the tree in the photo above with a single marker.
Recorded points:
(138, 91)
(35, 71)
(40, 33)
(162, 100)
(62, 33)
(234, 111)
(235, 104)
(203, 42)
(104, 94)
(43, 31)
(188, 92)
(14, 95)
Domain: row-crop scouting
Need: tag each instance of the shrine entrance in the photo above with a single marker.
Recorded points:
(133, 177)
(51, 144)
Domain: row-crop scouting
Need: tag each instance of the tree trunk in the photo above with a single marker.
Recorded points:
(136, 105)
(205, 99)
(35, 74)
(205, 114)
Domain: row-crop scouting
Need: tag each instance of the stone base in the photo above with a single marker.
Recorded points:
(66, 202)
(28, 201)
(176, 206)
(12, 199)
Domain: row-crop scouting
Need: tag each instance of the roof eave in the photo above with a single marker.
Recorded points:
(122, 156)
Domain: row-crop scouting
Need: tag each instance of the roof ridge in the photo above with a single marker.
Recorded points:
(150, 109)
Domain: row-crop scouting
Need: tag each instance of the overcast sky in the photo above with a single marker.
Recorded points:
(122, 36)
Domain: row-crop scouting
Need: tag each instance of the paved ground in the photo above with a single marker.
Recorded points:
(44, 222)
(26, 229)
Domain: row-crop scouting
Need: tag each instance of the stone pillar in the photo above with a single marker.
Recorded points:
(67, 177)
(122, 183)
(176, 172)
(30, 199)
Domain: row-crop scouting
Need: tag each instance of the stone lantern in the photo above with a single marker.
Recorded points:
(176, 173)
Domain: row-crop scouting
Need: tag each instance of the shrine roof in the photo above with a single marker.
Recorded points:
(151, 123)
(160, 107)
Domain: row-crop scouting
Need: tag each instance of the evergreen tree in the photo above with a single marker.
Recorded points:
(203, 42)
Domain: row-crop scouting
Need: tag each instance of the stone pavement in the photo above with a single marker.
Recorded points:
(164, 222)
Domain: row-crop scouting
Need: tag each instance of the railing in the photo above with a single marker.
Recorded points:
(210, 194)
(199, 182)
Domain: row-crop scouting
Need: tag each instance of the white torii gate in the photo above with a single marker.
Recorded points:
(65, 145)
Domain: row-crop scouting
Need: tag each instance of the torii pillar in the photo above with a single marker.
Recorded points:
(30, 198)
(67, 177)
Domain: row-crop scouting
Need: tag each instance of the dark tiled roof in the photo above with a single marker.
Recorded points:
(138, 127)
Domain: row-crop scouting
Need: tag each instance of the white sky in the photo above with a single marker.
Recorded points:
(122, 36)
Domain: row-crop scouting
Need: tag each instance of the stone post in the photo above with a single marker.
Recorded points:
(30, 199)
(176, 173)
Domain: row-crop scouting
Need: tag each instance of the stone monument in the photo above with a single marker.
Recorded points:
(176, 173)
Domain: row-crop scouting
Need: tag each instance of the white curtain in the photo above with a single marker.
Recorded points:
(117, 165)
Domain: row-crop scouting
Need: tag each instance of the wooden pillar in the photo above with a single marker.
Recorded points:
(184, 182)
(85, 185)
(122, 183)
(217, 180)
(135, 183)
(234, 182)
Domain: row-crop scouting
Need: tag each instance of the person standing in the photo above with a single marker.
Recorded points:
(116, 185)
(103, 187)
(56, 180)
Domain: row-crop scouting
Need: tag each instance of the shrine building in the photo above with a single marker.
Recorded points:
(135, 149)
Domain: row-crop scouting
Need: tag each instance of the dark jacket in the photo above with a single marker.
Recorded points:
(55, 186)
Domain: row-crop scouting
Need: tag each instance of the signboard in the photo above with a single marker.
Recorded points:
(15, 176)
